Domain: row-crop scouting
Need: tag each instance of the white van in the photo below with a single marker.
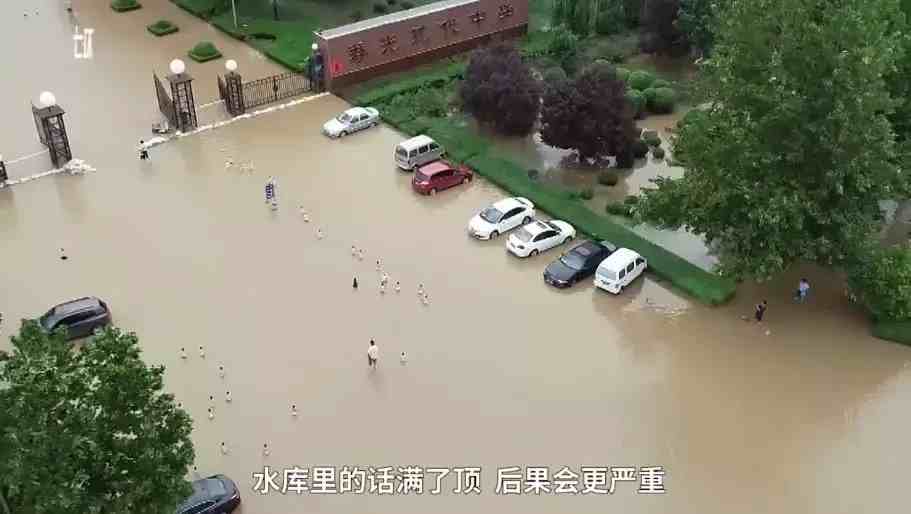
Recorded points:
(618, 270)
(417, 151)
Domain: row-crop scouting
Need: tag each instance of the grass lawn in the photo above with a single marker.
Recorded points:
(897, 331)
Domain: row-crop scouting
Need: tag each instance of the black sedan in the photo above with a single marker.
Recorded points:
(578, 263)
(79, 317)
(216, 494)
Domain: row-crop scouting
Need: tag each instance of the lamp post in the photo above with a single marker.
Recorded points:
(275, 9)
(3, 176)
(234, 10)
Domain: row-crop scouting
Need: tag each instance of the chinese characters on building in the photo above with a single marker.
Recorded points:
(415, 480)
(357, 52)
(505, 11)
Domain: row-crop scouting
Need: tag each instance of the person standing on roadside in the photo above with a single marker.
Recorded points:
(803, 289)
(372, 354)
(760, 310)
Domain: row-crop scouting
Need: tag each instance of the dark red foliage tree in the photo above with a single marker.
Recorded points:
(590, 114)
(500, 90)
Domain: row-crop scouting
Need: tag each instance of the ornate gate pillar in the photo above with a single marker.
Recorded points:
(182, 96)
(234, 90)
(52, 129)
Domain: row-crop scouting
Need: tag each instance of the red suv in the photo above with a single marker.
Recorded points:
(439, 175)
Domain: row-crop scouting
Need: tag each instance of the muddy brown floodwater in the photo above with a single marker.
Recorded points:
(502, 370)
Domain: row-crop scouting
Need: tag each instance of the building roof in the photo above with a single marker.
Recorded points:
(392, 18)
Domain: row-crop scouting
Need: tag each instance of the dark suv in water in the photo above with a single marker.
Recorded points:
(216, 494)
(578, 263)
(80, 317)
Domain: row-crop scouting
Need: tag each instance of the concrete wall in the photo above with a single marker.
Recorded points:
(364, 50)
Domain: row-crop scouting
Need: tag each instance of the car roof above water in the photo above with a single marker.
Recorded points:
(619, 259)
(356, 111)
(80, 304)
(434, 167)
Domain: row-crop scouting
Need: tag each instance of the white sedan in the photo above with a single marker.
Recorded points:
(501, 217)
(539, 236)
(350, 121)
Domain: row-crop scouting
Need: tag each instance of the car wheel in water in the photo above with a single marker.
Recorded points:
(342, 134)
(568, 239)
(433, 191)
(533, 253)
(526, 220)
(464, 180)
(494, 234)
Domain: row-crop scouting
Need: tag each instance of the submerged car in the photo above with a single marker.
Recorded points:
(578, 263)
(439, 175)
(80, 317)
(539, 236)
(350, 121)
(216, 494)
(501, 217)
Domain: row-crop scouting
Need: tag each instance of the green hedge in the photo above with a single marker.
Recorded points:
(438, 79)
(125, 5)
(703, 285)
(898, 331)
(204, 51)
(640, 80)
(162, 28)
(202, 8)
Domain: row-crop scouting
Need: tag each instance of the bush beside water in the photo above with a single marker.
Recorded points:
(162, 28)
(204, 51)
(125, 5)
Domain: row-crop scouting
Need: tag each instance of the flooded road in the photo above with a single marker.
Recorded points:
(502, 370)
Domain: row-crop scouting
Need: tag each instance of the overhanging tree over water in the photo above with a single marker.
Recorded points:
(796, 151)
(88, 431)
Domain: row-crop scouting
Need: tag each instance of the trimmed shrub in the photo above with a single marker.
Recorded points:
(622, 74)
(125, 5)
(380, 8)
(658, 152)
(608, 178)
(564, 46)
(162, 28)
(651, 138)
(407, 5)
(357, 15)
(649, 95)
(554, 75)
(204, 51)
(660, 83)
(637, 99)
(896, 331)
(619, 209)
(640, 149)
(640, 80)
(587, 193)
(533, 174)
(631, 200)
(662, 101)
(391, 2)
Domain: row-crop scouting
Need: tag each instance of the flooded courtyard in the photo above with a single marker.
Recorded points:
(806, 414)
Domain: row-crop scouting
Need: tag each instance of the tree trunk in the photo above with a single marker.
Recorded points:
(3, 505)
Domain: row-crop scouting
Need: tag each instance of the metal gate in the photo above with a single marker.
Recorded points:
(272, 89)
(165, 104)
(52, 133)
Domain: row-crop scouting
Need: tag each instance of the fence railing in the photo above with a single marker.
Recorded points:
(272, 89)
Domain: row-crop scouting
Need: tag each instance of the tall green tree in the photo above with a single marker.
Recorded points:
(697, 19)
(796, 151)
(89, 431)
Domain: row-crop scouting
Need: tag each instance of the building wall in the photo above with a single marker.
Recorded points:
(351, 58)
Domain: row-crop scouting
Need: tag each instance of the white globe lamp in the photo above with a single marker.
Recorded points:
(314, 47)
(231, 65)
(47, 99)
(177, 67)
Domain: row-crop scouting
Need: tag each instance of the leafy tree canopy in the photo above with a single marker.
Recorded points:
(499, 89)
(796, 151)
(89, 431)
(590, 114)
